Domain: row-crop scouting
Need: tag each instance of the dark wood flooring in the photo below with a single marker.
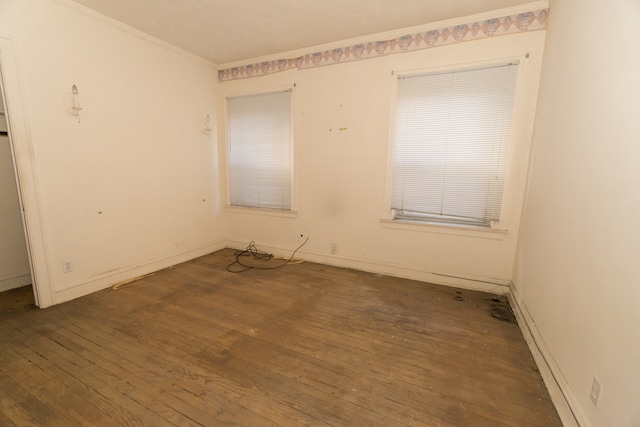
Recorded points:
(306, 344)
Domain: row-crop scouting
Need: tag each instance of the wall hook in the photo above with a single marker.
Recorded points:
(207, 125)
(75, 107)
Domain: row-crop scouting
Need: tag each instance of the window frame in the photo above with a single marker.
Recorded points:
(284, 213)
(497, 229)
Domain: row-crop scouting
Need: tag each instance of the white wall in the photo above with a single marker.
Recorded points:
(579, 250)
(342, 175)
(131, 188)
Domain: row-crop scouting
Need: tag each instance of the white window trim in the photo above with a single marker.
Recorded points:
(444, 228)
(293, 212)
(262, 211)
(497, 230)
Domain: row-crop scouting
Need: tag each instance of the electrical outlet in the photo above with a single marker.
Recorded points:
(67, 266)
(596, 391)
(334, 248)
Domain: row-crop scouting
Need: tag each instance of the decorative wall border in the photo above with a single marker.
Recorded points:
(512, 24)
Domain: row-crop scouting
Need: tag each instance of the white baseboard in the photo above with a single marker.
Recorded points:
(105, 281)
(494, 286)
(15, 282)
(559, 390)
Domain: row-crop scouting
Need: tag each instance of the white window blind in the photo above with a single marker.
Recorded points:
(452, 133)
(259, 142)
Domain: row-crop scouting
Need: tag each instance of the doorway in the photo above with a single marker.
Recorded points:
(15, 264)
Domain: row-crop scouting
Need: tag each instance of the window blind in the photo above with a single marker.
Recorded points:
(451, 139)
(259, 144)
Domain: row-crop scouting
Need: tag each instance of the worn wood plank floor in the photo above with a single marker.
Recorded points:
(306, 344)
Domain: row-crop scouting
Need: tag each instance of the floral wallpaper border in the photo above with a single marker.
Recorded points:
(518, 23)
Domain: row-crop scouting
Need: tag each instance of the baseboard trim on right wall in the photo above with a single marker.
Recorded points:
(556, 384)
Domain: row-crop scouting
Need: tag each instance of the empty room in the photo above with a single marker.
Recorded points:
(319, 212)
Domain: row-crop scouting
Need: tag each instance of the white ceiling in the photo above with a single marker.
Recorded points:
(225, 31)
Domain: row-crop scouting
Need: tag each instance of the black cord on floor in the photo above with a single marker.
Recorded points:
(259, 255)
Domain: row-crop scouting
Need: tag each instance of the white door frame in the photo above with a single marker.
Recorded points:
(26, 172)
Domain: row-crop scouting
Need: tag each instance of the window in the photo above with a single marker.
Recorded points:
(451, 140)
(259, 144)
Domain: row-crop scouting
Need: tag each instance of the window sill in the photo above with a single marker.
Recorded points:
(442, 228)
(262, 211)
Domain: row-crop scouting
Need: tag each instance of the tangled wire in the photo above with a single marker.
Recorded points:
(252, 252)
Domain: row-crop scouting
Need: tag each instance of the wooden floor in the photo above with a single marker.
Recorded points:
(306, 344)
